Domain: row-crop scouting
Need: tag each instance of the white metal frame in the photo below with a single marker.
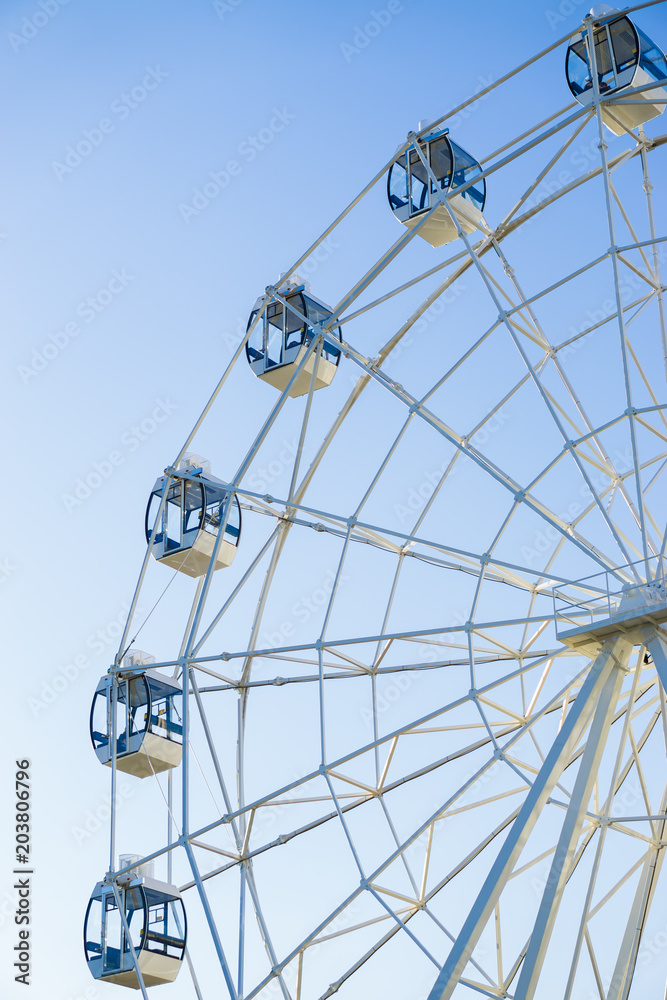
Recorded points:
(607, 696)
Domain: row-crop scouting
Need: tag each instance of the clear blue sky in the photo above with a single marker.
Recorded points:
(125, 285)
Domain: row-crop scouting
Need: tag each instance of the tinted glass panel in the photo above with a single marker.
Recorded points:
(578, 69)
(192, 519)
(578, 73)
(193, 496)
(603, 62)
(165, 931)
(171, 523)
(93, 931)
(136, 917)
(166, 717)
(651, 58)
(151, 514)
(441, 161)
(317, 314)
(624, 44)
(215, 512)
(398, 184)
(139, 698)
(274, 346)
(113, 935)
(466, 168)
(254, 347)
(295, 328)
(98, 721)
(419, 199)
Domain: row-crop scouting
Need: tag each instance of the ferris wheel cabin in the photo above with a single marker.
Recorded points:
(157, 927)
(412, 194)
(187, 532)
(624, 58)
(148, 724)
(280, 340)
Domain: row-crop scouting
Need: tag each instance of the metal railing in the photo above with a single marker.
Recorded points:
(598, 597)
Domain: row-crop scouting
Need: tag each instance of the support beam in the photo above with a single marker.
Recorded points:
(657, 647)
(557, 759)
(621, 982)
(571, 829)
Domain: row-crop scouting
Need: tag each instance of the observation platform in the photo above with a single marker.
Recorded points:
(596, 608)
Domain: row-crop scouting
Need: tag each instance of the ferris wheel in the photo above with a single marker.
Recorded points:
(402, 726)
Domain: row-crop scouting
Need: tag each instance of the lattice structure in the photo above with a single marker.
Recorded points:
(401, 776)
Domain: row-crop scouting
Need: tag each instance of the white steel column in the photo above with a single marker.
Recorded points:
(571, 829)
(604, 665)
(657, 647)
(627, 957)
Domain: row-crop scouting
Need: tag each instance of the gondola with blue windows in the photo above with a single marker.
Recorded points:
(280, 340)
(187, 532)
(157, 927)
(412, 193)
(149, 729)
(624, 58)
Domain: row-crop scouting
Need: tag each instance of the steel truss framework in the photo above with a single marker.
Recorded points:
(526, 784)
